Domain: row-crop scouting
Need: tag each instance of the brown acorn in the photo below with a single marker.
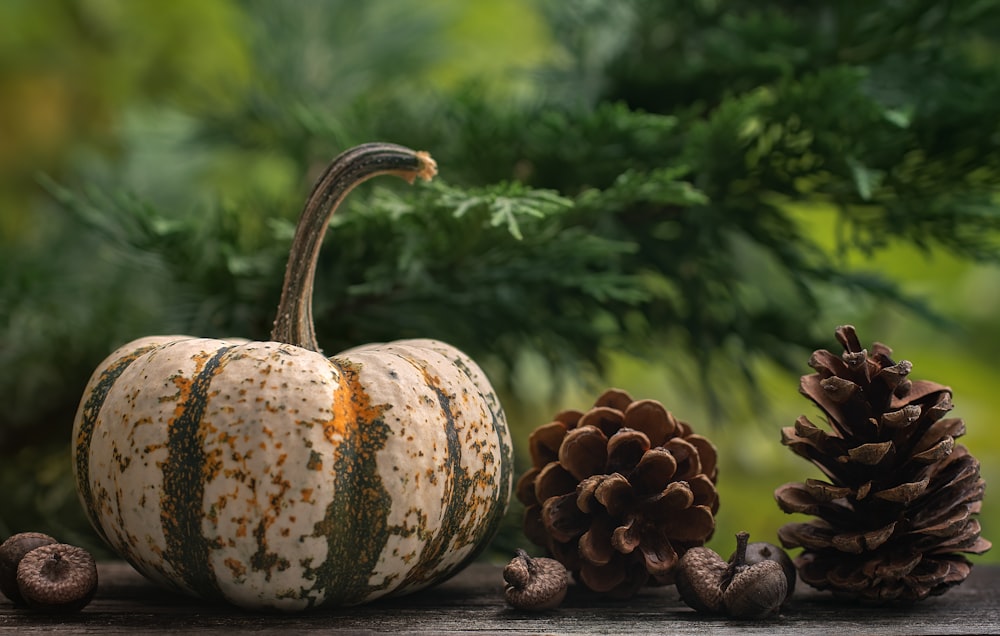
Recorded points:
(763, 551)
(57, 578)
(534, 583)
(699, 580)
(752, 590)
(740, 588)
(11, 552)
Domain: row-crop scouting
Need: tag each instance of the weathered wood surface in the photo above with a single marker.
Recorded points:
(473, 602)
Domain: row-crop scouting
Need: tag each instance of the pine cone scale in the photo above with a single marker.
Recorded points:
(675, 499)
(900, 417)
(605, 418)
(869, 454)
(562, 519)
(596, 545)
(705, 494)
(584, 451)
(626, 538)
(524, 490)
(918, 391)
(650, 418)
(614, 493)
(822, 491)
(687, 456)
(654, 472)
(602, 577)
(691, 524)
(552, 481)
(831, 399)
(935, 453)
(708, 458)
(903, 493)
(659, 557)
(543, 444)
(858, 542)
(625, 449)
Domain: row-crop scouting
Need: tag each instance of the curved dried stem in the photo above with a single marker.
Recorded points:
(294, 322)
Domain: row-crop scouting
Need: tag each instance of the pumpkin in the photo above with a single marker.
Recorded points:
(271, 476)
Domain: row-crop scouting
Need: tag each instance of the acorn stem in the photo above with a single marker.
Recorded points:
(742, 540)
(529, 563)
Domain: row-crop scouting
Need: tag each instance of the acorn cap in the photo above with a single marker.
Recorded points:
(763, 551)
(11, 552)
(535, 583)
(57, 578)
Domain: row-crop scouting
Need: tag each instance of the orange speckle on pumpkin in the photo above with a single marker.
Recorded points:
(351, 407)
(315, 462)
(307, 495)
(237, 568)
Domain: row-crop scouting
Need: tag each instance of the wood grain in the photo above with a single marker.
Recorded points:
(472, 602)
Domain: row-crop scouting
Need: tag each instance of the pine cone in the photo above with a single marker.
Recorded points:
(619, 493)
(899, 505)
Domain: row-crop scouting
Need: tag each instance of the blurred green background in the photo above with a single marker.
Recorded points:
(680, 199)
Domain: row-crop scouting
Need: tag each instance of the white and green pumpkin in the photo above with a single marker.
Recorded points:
(271, 476)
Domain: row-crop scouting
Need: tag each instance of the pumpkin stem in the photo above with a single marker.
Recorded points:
(294, 322)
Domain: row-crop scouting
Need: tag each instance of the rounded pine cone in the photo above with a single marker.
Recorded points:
(900, 501)
(619, 493)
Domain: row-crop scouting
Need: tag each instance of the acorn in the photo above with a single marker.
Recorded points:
(752, 590)
(57, 578)
(763, 551)
(534, 583)
(698, 579)
(11, 552)
(748, 586)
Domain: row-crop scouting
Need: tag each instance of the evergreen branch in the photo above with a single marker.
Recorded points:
(504, 203)
(643, 200)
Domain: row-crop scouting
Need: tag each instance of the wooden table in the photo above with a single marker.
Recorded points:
(472, 602)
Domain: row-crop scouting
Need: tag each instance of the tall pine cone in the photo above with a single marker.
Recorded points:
(898, 509)
(619, 493)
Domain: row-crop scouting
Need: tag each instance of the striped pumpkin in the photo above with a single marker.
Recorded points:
(271, 476)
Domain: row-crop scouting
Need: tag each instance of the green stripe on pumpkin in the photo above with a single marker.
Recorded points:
(459, 501)
(455, 501)
(501, 490)
(356, 521)
(426, 571)
(184, 476)
(88, 420)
